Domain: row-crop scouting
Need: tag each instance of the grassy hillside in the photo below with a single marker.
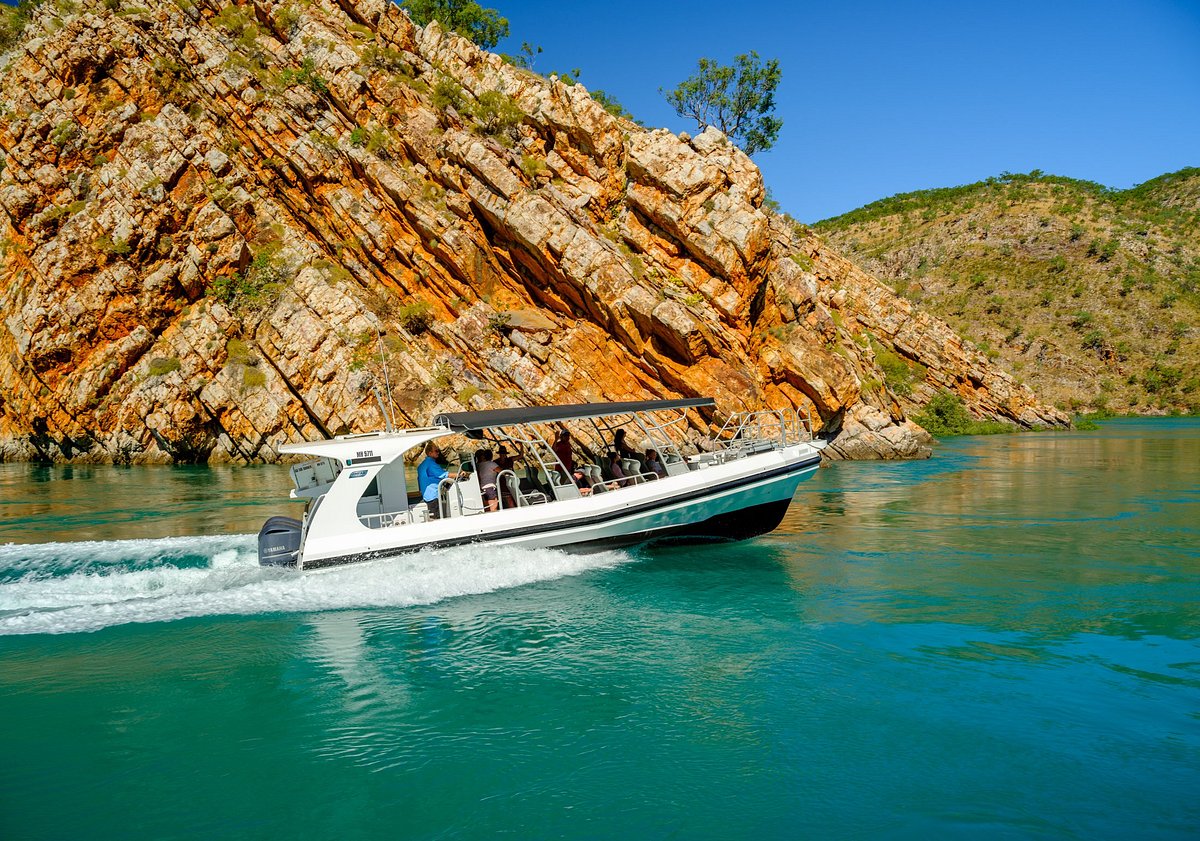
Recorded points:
(1089, 295)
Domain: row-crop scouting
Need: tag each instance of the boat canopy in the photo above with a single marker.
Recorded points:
(386, 446)
(475, 422)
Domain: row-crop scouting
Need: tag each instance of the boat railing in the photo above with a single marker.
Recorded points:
(759, 431)
(460, 497)
(639, 478)
(415, 514)
(598, 484)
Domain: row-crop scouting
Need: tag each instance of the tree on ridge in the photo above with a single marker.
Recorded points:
(737, 99)
(483, 26)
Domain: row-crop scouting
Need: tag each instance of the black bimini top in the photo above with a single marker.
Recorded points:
(476, 421)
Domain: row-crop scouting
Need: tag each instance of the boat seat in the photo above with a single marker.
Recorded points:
(460, 498)
(564, 486)
(513, 488)
(592, 472)
(632, 468)
(675, 464)
(522, 499)
(539, 482)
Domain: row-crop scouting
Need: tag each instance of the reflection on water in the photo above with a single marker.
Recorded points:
(42, 503)
(1052, 533)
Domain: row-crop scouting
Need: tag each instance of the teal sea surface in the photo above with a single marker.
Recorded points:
(1000, 642)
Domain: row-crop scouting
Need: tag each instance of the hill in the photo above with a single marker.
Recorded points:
(227, 226)
(1090, 295)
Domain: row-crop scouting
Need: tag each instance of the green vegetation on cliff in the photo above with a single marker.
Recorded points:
(13, 20)
(946, 415)
(483, 26)
(1090, 295)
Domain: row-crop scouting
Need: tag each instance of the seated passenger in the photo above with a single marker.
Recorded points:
(486, 469)
(615, 472)
(654, 464)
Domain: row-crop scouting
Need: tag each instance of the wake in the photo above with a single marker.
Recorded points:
(61, 588)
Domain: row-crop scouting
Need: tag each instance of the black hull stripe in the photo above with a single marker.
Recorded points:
(598, 519)
(741, 524)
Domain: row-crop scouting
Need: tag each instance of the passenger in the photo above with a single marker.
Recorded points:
(562, 449)
(654, 464)
(486, 469)
(430, 474)
(615, 472)
(622, 448)
(506, 461)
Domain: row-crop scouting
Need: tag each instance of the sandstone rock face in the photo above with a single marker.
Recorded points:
(228, 227)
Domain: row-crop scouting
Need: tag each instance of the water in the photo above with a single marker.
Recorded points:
(1000, 642)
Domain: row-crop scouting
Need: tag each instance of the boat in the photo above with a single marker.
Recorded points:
(363, 503)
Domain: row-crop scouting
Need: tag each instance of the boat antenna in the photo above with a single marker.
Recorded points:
(389, 414)
(387, 424)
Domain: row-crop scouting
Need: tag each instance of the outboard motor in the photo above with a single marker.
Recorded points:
(279, 542)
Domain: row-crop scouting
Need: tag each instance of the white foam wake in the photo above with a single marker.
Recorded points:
(233, 584)
(44, 559)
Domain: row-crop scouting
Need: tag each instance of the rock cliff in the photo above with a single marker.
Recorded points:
(228, 226)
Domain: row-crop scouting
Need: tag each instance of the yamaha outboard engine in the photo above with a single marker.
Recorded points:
(279, 542)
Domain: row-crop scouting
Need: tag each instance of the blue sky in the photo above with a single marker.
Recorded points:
(879, 98)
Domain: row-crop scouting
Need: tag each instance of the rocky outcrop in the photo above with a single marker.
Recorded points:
(227, 227)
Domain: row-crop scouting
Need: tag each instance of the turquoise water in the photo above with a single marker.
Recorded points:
(1000, 642)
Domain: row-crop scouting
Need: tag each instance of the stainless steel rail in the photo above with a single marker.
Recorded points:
(781, 427)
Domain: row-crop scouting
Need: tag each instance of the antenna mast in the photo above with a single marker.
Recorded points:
(390, 415)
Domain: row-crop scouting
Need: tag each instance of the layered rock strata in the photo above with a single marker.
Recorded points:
(227, 227)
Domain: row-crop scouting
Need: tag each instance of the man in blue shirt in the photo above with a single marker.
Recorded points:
(429, 474)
